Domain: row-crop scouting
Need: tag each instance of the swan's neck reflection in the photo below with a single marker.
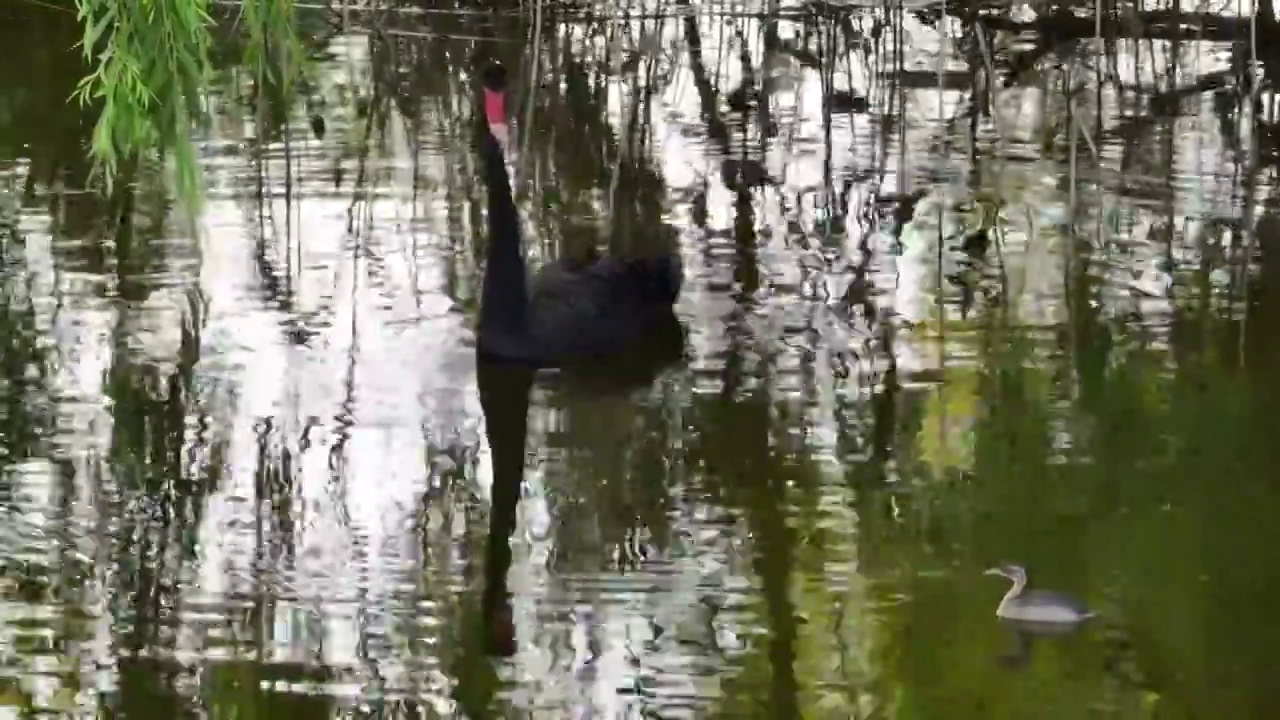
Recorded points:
(504, 398)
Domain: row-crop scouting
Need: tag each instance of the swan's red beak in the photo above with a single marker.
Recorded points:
(495, 110)
(494, 79)
(495, 106)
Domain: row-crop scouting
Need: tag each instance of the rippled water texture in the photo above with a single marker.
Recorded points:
(244, 471)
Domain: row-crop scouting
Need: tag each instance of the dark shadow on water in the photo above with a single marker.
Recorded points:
(1026, 634)
(150, 688)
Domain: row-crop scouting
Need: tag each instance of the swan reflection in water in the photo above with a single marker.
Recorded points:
(504, 398)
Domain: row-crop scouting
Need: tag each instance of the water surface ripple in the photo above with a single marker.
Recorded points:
(243, 466)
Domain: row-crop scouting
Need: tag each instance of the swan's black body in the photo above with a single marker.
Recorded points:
(577, 313)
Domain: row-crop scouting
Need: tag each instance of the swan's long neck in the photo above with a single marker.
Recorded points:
(504, 301)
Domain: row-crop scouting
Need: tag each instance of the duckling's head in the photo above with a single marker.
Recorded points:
(1016, 573)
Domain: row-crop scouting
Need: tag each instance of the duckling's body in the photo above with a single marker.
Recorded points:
(1038, 606)
(1042, 606)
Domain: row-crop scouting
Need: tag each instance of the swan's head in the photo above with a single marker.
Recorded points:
(494, 82)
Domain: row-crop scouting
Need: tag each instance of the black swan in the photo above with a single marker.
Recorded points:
(578, 312)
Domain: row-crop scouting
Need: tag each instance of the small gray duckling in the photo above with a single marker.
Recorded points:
(1037, 606)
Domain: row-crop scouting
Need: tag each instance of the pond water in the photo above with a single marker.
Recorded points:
(244, 469)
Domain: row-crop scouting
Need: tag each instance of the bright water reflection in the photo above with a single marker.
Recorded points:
(247, 471)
